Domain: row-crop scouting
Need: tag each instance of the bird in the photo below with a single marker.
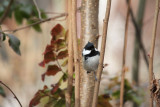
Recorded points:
(90, 58)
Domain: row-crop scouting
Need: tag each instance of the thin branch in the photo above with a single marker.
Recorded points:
(38, 22)
(139, 40)
(47, 12)
(103, 44)
(151, 56)
(70, 57)
(124, 56)
(11, 92)
(6, 11)
(38, 10)
(60, 66)
(76, 54)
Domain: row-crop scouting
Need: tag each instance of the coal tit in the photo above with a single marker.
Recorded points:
(90, 58)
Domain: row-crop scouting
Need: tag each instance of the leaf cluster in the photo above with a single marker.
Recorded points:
(131, 93)
(55, 51)
(21, 11)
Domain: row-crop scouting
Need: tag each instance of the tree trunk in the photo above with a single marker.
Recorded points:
(140, 14)
(135, 68)
(68, 94)
(89, 32)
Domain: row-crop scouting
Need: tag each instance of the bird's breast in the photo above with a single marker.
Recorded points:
(91, 63)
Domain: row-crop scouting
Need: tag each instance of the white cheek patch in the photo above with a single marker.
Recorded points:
(86, 52)
(96, 49)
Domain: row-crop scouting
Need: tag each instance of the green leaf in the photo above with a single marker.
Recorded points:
(43, 14)
(36, 27)
(60, 103)
(18, 16)
(1, 11)
(116, 94)
(51, 102)
(25, 14)
(2, 93)
(2, 36)
(14, 43)
(74, 75)
(65, 62)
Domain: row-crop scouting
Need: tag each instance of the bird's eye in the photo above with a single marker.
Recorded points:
(92, 47)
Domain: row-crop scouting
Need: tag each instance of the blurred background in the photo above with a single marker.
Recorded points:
(23, 74)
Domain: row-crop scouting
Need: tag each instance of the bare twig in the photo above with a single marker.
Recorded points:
(103, 44)
(38, 22)
(60, 66)
(47, 12)
(70, 57)
(6, 11)
(151, 56)
(38, 10)
(124, 56)
(12, 93)
(76, 54)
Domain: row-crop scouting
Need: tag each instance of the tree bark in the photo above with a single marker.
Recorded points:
(151, 56)
(89, 32)
(76, 53)
(70, 57)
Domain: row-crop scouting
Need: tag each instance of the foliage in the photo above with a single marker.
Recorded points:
(21, 11)
(13, 41)
(103, 101)
(55, 51)
(2, 93)
(130, 92)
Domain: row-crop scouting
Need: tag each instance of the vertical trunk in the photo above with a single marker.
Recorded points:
(140, 14)
(76, 53)
(89, 32)
(70, 57)
(135, 66)
(151, 57)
